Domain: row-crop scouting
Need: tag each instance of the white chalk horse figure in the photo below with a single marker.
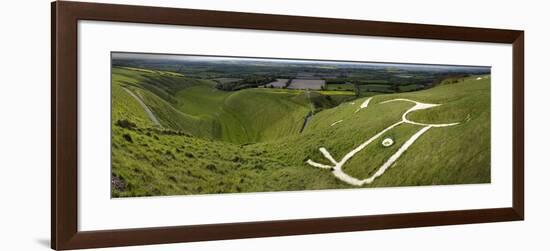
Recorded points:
(336, 166)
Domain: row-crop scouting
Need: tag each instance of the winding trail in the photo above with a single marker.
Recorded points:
(337, 166)
(150, 113)
(309, 114)
(306, 121)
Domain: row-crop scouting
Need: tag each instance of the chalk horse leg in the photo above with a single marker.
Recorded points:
(336, 166)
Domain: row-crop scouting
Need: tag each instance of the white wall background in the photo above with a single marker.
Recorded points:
(25, 124)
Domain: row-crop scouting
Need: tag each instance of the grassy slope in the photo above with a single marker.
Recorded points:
(199, 109)
(451, 155)
(157, 99)
(164, 162)
(248, 115)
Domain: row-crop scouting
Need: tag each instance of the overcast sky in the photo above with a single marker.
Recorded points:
(196, 58)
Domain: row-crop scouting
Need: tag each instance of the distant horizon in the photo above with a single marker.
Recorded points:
(228, 59)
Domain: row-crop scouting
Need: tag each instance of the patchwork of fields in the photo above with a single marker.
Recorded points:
(214, 141)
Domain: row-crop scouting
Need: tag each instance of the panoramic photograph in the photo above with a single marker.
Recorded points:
(201, 124)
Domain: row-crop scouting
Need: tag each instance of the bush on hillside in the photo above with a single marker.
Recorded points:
(127, 137)
(125, 124)
(211, 167)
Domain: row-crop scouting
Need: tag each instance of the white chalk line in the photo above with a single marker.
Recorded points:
(337, 122)
(418, 106)
(365, 104)
(337, 166)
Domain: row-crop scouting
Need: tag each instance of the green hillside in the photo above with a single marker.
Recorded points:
(249, 115)
(213, 141)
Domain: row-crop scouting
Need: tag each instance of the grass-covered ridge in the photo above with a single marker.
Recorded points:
(213, 141)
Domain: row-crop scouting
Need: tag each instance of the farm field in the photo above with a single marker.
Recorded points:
(279, 83)
(174, 133)
(313, 84)
(339, 87)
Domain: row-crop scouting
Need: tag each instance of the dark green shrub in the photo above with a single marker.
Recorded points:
(211, 167)
(259, 167)
(125, 124)
(127, 137)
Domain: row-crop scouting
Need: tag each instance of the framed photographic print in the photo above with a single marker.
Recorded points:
(175, 125)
